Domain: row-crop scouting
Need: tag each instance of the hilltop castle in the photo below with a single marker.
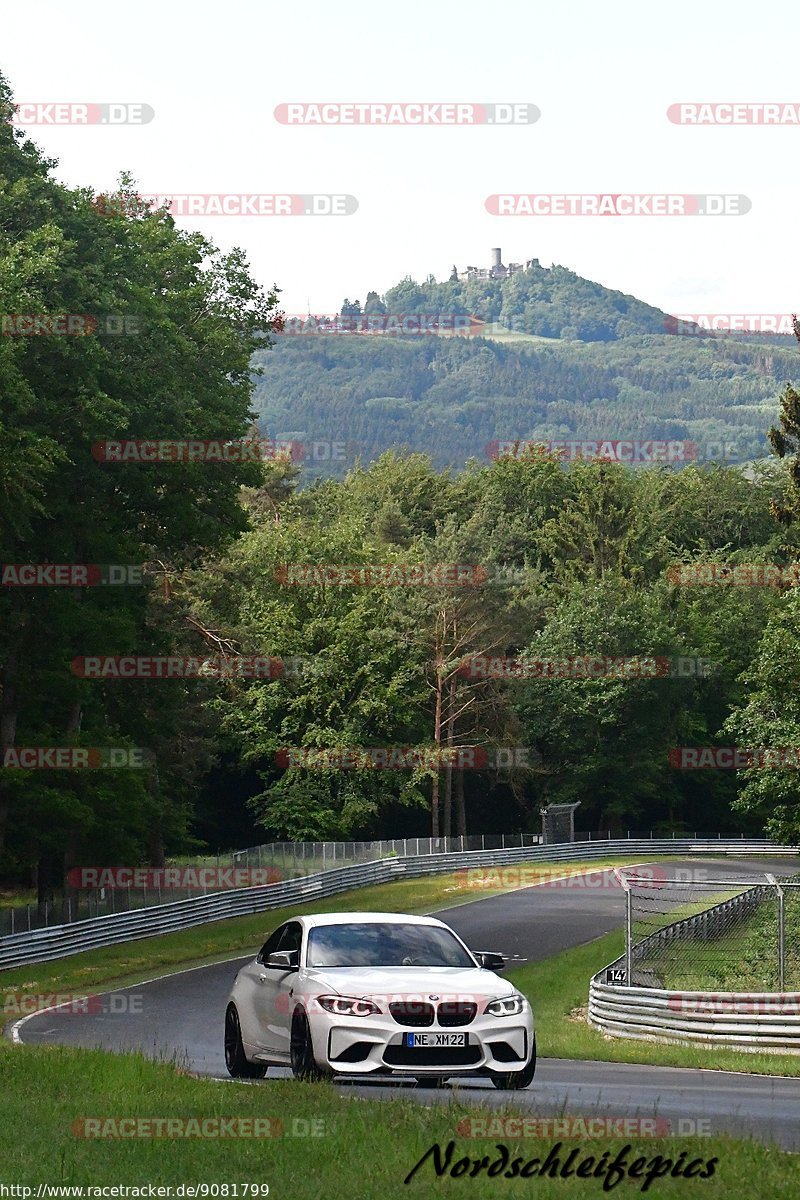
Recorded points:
(495, 271)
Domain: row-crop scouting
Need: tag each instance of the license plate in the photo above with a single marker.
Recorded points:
(435, 1039)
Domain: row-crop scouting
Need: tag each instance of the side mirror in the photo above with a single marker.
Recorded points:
(284, 960)
(489, 961)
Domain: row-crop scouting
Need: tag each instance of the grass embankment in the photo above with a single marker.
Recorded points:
(359, 1149)
(332, 1145)
(743, 959)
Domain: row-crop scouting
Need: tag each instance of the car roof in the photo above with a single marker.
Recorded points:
(364, 918)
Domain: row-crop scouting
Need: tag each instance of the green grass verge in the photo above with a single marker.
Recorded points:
(743, 959)
(363, 1149)
(558, 988)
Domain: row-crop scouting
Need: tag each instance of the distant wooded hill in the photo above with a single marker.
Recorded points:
(563, 358)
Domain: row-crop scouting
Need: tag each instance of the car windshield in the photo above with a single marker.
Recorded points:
(389, 944)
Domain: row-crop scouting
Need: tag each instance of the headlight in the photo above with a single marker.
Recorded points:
(509, 1006)
(347, 1006)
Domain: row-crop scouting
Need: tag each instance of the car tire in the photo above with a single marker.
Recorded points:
(304, 1065)
(238, 1066)
(507, 1081)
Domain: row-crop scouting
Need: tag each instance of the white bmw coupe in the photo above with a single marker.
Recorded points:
(377, 994)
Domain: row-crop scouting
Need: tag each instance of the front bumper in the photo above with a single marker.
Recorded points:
(376, 1045)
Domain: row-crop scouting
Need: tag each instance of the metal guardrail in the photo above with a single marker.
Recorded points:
(267, 862)
(745, 1021)
(59, 941)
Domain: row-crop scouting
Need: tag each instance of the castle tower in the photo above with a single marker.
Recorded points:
(496, 258)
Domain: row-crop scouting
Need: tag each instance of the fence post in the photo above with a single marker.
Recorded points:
(781, 932)
(628, 937)
(623, 883)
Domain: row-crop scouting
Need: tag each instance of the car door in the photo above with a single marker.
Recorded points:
(273, 989)
(251, 983)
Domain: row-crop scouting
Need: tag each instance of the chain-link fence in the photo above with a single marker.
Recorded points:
(268, 863)
(691, 933)
(116, 888)
(293, 859)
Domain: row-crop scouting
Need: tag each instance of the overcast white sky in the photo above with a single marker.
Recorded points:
(603, 76)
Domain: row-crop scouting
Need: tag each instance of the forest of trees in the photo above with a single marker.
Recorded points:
(450, 397)
(565, 562)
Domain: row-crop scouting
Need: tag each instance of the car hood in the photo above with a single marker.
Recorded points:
(448, 983)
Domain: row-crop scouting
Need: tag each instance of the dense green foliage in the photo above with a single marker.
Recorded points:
(451, 397)
(547, 302)
(193, 317)
(574, 560)
(577, 564)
